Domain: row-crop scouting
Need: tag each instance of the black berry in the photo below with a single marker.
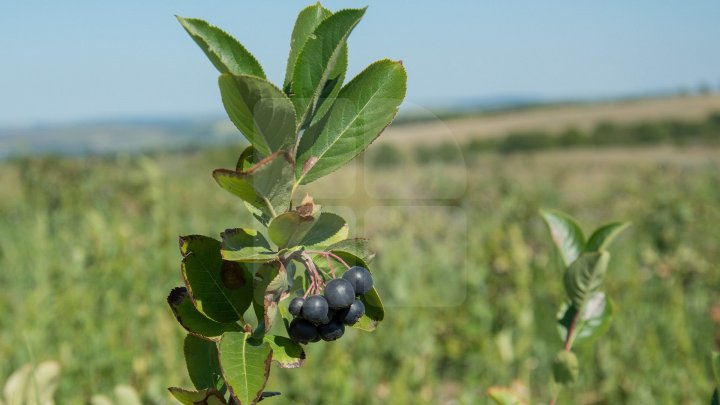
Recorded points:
(360, 278)
(315, 309)
(302, 331)
(331, 331)
(339, 293)
(350, 316)
(296, 306)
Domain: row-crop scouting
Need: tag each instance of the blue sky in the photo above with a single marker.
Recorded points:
(84, 60)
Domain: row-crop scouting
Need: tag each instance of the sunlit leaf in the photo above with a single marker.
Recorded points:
(246, 245)
(246, 366)
(566, 234)
(224, 51)
(286, 353)
(261, 111)
(317, 59)
(363, 109)
(603, 236)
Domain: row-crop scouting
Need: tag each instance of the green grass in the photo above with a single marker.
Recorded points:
(88, 253)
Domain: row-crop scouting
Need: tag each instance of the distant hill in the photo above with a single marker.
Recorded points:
(116, 136)
(551, 118)
(484, 118)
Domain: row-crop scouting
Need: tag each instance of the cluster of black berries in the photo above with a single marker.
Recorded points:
(325, 316)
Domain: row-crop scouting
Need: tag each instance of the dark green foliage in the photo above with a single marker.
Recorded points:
(312, 126)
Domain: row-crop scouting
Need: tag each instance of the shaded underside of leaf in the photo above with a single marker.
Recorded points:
(266, 186)
(193, 320)
(201, 359)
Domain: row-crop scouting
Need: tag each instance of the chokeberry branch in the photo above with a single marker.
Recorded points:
(328, 255)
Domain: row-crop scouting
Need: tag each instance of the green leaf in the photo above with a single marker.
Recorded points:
(356, 246)
(715, 400)
(271, 285)
(716, 367)
(332, 88)
(266, 186)
(364, 107)
(505, 396)
(203, 365)
(317, 59)
(246, 366)
(603, 236)
(374, 311)
(308, 19)
(292, 229)
(249, 158)
(565, 367)
(584, 277)
(593, 322)
(566, 234)
(224, 51)
(220, 289)
(193, 320)
(246, 245)
(286, 353)
(190, 397)
(261, 111)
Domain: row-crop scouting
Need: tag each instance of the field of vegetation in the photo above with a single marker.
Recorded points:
(88, 252)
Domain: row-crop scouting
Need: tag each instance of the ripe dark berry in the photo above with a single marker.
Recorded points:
(360, 278)
(302, 331)
(350, 316)
(315, 309)
(339, 293)
(331, 331)
(296, 306)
